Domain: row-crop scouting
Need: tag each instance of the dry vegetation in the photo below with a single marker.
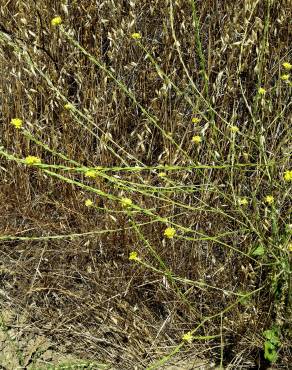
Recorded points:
(224, 276)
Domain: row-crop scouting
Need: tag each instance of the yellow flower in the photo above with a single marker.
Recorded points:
(234, 129)
(136, 36)
(288, 175)
(269, 199)
(285, 77)
(287, 66)
(31, 159)
(169, 232)
(91, 173)
(188, 337)
(126, 202)
(56, 21)
(196, 120)
(16, 122)
(68, 106)
(162, 174)
(88, 203)
(290, 247)
(261, 91)
(243, 201)
(133, 256)
(196, 139)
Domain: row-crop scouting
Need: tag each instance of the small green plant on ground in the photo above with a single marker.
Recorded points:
(272, 343)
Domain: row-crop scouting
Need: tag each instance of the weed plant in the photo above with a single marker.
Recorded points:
(146, 178)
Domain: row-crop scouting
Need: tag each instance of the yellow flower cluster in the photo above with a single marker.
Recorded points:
(136, 36)
(196, 120)
(261, 91)
(288, 175)
(243, 201)
(89, 203)
(285, 77)
(16, 122)
(56, 21)
(196, 139)
(31, 160)
(133, 256)
(169, 232)
(91, 173)
(68, 106)
(188, 337)
(269, 199)
(126, 202)
(234, 129)
(287, 66)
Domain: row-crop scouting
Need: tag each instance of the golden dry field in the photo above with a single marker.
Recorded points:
(145, 184)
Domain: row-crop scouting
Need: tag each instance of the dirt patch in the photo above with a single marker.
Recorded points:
(22, 348)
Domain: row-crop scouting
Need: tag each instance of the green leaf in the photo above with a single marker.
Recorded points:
(245, 300)
(270, 352)
(272, 336)
(259, 251)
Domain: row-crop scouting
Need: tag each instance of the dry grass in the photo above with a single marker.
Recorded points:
(66, 265)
